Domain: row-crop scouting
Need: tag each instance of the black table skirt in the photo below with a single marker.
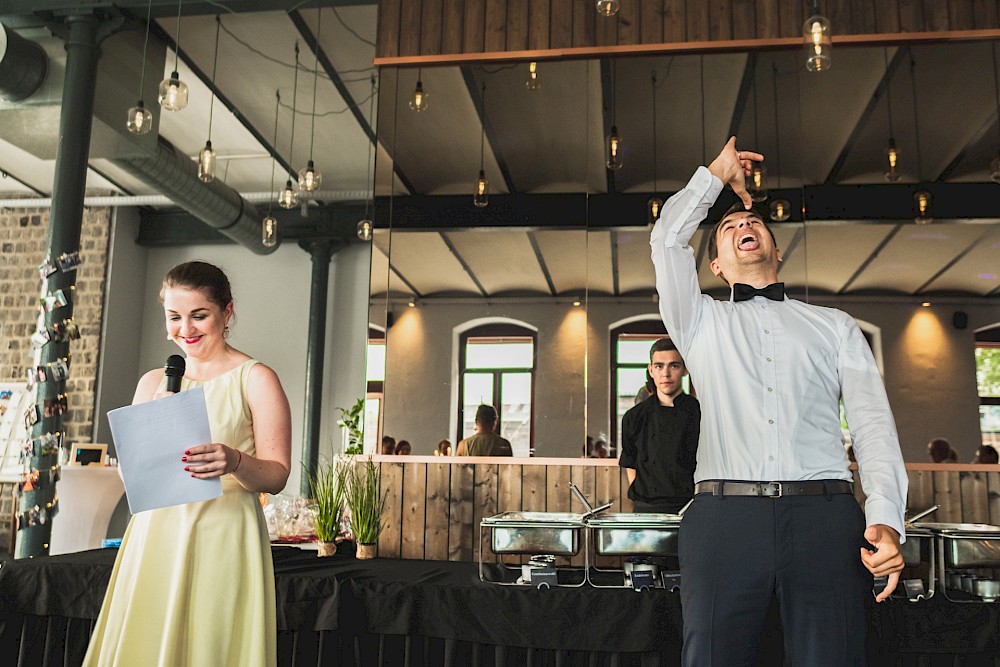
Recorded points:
(342, 611)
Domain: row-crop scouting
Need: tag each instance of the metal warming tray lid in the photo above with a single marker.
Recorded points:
(635, 534)
(551, 533)
(961, 529)
(968, 544)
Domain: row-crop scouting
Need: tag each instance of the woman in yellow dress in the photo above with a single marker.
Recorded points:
(193, 584)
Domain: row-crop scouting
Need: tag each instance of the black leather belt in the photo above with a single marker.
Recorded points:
(774, 489)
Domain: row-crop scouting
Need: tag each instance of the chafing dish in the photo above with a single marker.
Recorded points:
(554, 533)
(635, 534)
(987, 589)
(967, 544)
(918, 546)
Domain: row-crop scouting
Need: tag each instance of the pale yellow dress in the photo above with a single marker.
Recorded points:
(193, 585)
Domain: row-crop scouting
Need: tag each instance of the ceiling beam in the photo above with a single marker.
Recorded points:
(4, 173)
(973, 141)
(607, 113)
(465, 267)
(541, 262)
(161, 8)
(748, 81)
(871, 258)
(902, 54)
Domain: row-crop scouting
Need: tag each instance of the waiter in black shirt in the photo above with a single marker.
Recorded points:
(660, 436)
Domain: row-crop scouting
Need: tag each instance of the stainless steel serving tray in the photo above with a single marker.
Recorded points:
(555, 533)
(635, 534)
(968, 544)
(919, 541)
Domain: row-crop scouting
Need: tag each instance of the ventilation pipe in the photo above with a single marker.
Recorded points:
(22, 66)
(216, 204)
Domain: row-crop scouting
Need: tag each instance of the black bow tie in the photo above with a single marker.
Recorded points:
(774, 292)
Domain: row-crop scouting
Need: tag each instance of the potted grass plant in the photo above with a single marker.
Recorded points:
(366, 504)
(328, 488)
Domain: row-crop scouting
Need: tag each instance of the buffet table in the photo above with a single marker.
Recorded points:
(343, 611)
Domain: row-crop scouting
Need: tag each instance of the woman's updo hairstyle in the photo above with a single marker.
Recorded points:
(202, 276)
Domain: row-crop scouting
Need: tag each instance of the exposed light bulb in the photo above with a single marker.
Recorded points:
(310, 177)
(206, 163)
(614, 148)
(365, 230)
(140, 119)
(780, 210)
(653, 207)
(288, 198)
(173, 93)
(608, 7)
(923, 201)
(482, 196)
(757, 183)
(818, 43)
(532, 83)
(419, 100)
(892, 156)
(269, 232)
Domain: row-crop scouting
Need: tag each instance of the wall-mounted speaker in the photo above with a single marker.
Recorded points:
(960, 319)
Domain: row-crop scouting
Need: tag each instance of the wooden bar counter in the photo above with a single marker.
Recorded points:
(435, 503)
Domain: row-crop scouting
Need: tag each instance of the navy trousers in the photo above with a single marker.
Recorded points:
(737, 554)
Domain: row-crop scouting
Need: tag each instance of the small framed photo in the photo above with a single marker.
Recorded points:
(60, 370)
(87, 454)
(68, 261)
(46, 269)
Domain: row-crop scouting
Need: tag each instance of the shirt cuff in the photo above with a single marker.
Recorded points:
(703, 186)
(884, 512)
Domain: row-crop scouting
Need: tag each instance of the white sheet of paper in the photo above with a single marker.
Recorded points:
(150, 439)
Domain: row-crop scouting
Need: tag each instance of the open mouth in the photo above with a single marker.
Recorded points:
(748, 242)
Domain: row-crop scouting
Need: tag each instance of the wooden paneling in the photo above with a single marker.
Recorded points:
(539, 20)
(452, 26)
(720, 20)
(650, 21)
(886, 16)
(387, 29)
(461, 512)
(414, 510)
(475, 27)
(434, 509)
(430, 28)
(517, 25)
(409, 28)
(674, 21)
(496, 26)
(390, 540)
(436, 523)
(409, 17)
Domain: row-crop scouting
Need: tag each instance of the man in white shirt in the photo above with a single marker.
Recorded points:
(774, 516)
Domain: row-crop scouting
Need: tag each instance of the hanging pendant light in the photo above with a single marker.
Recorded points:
(206, 158)
(418, 101)
(288, 197)
(481, 197)
(532, 82)
(140, 119)
(817, 39)
(310, 177)
(173, 93)
(757, 182)
(269, 225)
(654, 204)
(922, 201)
(780, 209)
(891, 154)
(613, 142)
(608, 7)
(366, 226)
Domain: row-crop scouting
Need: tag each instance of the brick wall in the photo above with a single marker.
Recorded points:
(23, 245)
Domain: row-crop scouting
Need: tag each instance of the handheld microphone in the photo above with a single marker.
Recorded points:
(174, 370)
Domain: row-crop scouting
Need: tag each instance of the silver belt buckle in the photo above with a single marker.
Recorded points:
(771, 490)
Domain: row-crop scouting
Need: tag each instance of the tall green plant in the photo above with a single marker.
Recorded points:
(352, 419)
(365, 502)
(328, 488)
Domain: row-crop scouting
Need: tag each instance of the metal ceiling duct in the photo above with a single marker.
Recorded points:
(22, 66)
(216, 204)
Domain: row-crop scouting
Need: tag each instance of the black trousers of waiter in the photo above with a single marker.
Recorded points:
(738, 553)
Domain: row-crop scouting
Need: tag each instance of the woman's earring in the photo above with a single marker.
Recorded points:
(225, 332)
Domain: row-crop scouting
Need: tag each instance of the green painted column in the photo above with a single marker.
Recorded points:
(37, 505)
(321, 251)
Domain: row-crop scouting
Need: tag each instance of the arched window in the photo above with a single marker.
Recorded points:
(497, 367)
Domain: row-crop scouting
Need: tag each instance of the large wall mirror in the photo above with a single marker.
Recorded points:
(542, 302)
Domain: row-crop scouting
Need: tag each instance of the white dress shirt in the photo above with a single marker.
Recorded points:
(769, 375)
